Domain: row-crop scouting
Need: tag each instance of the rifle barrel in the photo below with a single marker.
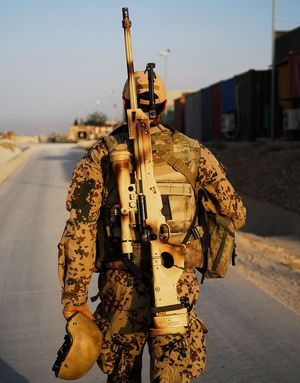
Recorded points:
(126, 23)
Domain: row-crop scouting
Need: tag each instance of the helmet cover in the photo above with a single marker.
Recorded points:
(142, 86)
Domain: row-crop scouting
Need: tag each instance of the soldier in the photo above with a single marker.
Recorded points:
(124, 315)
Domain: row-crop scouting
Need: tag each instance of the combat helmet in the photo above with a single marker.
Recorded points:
(81, 348)
(142, 88)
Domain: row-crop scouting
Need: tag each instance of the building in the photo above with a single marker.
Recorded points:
(174, 110)
(88, 132)
(287, 61)
(239, 108)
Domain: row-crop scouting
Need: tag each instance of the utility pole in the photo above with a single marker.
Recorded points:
(273, 73)
(165, 54)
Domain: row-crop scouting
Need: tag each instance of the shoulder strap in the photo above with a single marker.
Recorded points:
(167, 154)
(136, 272)
(167, 126)
(179, 165)
(202, 219)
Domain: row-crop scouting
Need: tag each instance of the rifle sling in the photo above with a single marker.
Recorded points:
(192, 225)
(136, 272)
(202, 219)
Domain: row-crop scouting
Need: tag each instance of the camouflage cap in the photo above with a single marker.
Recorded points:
(141, 80)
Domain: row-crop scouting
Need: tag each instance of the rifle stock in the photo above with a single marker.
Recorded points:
(169, 313)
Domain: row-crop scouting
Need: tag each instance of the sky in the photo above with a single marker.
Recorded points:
(65, 59)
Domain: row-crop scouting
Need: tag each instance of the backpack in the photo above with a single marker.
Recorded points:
(209, 237)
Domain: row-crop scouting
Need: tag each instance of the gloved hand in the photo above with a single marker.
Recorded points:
(70, 309)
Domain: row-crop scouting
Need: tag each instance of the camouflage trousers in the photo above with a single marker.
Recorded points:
(124, 318)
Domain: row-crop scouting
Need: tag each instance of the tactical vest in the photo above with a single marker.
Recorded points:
(176, 164)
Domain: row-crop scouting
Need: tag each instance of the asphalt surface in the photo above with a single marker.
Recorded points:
(251, 338)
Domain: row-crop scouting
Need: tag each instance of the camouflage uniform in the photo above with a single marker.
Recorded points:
(124, 311)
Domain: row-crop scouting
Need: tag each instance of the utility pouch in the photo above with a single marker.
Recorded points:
(221, 246)
(218, 243)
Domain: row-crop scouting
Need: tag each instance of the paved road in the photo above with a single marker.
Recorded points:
(251, 337)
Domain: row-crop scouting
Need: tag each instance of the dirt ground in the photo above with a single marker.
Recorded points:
(268, 172)
(8, 150)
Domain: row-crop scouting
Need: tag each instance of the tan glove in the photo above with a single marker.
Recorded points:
(70, 309)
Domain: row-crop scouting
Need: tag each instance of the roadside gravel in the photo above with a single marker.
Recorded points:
(8, 150)
(11, 158)
(273, 265)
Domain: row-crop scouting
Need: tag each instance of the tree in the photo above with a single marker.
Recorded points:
(95, 119)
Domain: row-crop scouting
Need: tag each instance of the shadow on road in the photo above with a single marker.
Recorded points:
(265, 219)
(67, 161)
(9, 375)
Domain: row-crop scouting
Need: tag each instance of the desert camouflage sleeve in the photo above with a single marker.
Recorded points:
(212, 177)
(77, 248)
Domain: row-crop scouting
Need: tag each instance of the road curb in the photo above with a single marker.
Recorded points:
(12, 165)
